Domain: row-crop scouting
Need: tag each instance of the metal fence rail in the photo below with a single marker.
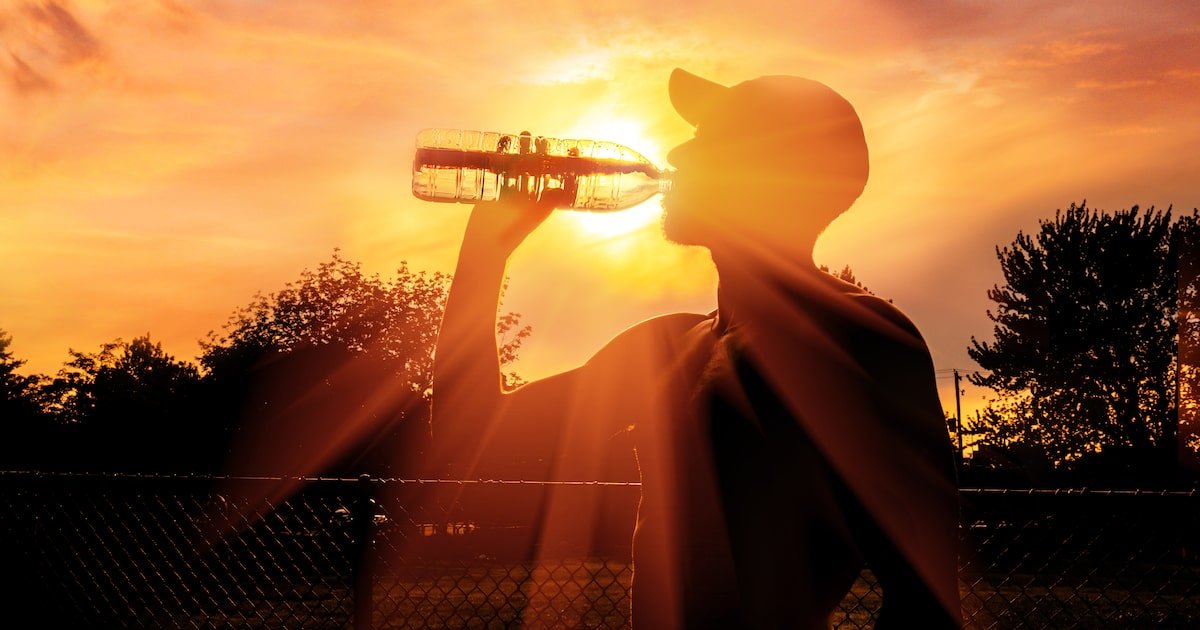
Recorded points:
(204, 552)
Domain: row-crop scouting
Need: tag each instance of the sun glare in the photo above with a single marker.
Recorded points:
(616, 224)
(605, 125)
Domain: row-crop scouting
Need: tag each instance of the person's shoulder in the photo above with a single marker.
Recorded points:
(887, 312)
(886, 342)
(662, 334)
(669, 326)
(865, 308)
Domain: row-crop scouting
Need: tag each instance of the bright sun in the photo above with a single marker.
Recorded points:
(616, 224)
(603, 125)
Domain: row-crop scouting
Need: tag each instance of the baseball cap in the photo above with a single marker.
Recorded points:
(797, 122)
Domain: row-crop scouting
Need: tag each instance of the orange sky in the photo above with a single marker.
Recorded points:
(162, 161)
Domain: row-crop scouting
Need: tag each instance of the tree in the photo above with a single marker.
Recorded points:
(128, 406)
(18, 393)
(22, 423)
(1083, 361)
(1187, 244)
(846, 275)
(123, 381)
(396, 321)
(332, 374)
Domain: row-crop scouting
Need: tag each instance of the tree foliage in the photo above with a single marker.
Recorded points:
(846, 275)
(18, 392)
(1083, 357)
(130, 406)
(123, 382)
(395, 321)
(329, 375)
(1187, 244)
(332, 374)
(22, 421)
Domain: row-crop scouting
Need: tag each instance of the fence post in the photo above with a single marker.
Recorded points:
(364, 517)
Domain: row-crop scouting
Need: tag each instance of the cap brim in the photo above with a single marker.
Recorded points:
(693, 97)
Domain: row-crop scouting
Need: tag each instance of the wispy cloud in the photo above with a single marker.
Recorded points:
(45, 42)
(24, 79)
(1060, 52)
(69, 40)
(1128, 84)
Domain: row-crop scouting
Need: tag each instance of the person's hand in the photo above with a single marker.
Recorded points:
(498, 227)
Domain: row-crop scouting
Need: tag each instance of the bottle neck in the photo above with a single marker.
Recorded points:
(665, 179)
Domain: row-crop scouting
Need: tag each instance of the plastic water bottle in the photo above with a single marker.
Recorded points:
(454, 165)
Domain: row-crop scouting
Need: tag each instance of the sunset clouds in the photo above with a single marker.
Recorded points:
(162, 161)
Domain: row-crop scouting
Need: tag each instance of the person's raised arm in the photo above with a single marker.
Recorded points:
(570, 425)
(467, 382)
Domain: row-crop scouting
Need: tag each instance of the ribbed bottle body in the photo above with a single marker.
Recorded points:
(454, 165)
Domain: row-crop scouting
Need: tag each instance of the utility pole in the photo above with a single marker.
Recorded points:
(958, 423)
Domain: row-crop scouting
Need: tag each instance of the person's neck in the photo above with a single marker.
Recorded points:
(744, 275)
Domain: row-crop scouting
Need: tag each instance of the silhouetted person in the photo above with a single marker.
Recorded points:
(783, 439)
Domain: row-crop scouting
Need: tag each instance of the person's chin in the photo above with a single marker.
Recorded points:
(676, 228)
(685, 220)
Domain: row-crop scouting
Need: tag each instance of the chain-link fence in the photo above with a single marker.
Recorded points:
(206, 552)
(1080, 559)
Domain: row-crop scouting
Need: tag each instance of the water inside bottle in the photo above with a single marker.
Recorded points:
(468, 166)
